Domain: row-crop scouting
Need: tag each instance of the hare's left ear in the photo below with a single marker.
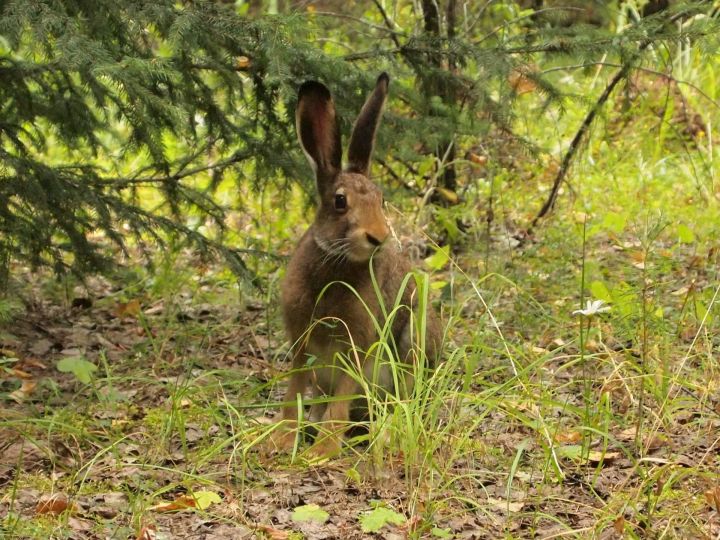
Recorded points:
(362, 139)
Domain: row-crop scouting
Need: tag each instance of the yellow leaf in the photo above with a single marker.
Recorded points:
(54, 504)
(20, 374)
(201, 500)
(273, 533)
(26, 388)
(568, 437)
(602, 457)
(184, 502)
(205, 499)
(521, 83)
(712, 496)
(477, 159)
(128, 309)
(449, 195)
(580, 217)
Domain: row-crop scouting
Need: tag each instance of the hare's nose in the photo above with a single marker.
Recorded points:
(372, 239)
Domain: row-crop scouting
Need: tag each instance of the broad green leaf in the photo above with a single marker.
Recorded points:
(78, 366)
(685, 234)
(205, 499)
(571, 451)
(702, 312)
(438, 259)
(600, 291)
(309, 512)
(376, 519)
(436, 285)
(425, 166)
(353, 475)
(441, 533)
(449, 223)
(447, 194)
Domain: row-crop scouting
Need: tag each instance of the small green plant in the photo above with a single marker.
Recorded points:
(374, 520)
(79, 366)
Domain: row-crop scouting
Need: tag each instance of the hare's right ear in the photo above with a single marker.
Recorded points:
(318, 130)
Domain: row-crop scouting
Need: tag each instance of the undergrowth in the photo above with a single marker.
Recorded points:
(547, 417)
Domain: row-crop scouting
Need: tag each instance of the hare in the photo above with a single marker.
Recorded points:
(329, 301)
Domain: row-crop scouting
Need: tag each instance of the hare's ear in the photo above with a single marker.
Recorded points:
(318, 130)
(362, 139)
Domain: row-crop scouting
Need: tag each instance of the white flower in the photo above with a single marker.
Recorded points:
(592, 308)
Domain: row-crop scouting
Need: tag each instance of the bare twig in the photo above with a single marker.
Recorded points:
(585, 126)
(235, 158)
(388, 23)
(575, 144)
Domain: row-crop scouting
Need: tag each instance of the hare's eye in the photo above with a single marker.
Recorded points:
(340, 202)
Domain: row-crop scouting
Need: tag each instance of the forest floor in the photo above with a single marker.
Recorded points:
(134, 412)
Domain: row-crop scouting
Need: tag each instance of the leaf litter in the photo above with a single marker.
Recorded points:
(150, 420)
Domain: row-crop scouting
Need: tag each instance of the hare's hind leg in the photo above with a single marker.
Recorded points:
(335, 419)
(284, 434)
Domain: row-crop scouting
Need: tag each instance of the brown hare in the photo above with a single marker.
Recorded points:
(330, 304)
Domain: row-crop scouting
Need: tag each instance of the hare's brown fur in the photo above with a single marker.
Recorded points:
(329, 273)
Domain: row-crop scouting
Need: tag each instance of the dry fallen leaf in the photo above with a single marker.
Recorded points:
(505, 505)
(148, 532)
(650, 442)
(619, 525)
(568, 437)
(127, 309)
(200, 500)
(605, 457)
(682, 291)
(54, 504)
(82, 525)
(638, 259)
(34, 362)
(580, 217)
(183, 502)
(447, 194)
(41, 347)
(520, 82)
(26, 388)
(478, 159)
(20, 374)
(274, 534)
(712, 496)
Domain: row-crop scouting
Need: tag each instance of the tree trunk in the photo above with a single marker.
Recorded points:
(435, 85)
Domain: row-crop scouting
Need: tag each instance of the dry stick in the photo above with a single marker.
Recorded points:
(575, 144)
(237, 157)
(585, 126)
(388, 23)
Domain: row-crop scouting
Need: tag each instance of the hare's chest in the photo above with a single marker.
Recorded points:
(344, 317)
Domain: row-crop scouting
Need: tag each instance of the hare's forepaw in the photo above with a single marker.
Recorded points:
(326, 447)
(280, 441)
